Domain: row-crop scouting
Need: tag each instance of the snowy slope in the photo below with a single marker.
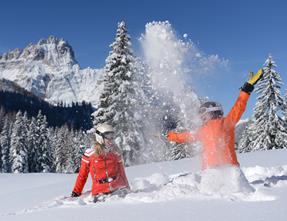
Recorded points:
(49, 70)
(159, 193)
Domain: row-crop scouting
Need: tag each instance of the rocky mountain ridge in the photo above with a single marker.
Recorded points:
(49, 70)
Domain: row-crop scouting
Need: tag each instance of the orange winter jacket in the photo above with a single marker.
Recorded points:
(107, 172)
(217, 136)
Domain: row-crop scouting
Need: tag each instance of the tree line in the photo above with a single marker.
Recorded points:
(30, 145)
(75, 115)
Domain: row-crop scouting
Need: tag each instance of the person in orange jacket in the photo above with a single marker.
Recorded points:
(217, 134)
(105, 166)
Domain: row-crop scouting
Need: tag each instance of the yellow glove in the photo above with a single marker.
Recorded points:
(254, 78)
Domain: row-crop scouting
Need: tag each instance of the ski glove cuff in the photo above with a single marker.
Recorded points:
(74, 194)
(248, 88)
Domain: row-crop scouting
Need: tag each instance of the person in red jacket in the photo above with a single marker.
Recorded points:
(104, 164)
(217, 134)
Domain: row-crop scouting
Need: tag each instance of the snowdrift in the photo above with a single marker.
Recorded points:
(166, 191)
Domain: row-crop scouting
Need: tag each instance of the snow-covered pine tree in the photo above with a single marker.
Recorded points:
(79, 145)
(1, 157)
(19, 154)
(71, 152)
(61, 149)
(1, 127)
(43, 149)
(283, 138)
(38, 145)
(31, 145)
(52, 142)
(5, 139)
(2, 118)
(119, 97)
(243, 145)
(177, 152)
(266, 129)
(5, 146)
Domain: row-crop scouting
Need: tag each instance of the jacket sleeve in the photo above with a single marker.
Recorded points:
(83, 174)
(238, 108)
(184, 137)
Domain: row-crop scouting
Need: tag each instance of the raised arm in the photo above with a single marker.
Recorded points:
(239, 107)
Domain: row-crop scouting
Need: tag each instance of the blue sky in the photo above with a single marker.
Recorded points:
(244, 32)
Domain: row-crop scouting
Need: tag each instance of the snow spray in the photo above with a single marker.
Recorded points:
(166, 54)
(172, 62)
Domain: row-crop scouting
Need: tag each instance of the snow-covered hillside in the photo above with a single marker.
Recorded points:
(49, 70)
(161, 191)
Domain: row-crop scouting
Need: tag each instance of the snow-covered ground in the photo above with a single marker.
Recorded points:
(161, 191)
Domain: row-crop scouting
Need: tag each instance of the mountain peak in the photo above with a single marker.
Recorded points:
(48, 69)
(52, 51)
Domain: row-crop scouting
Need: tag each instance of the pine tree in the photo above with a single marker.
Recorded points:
(266, 130)
(71, 153)
(78, 148)
(1, 162)
(118, 100)
(283, 133)
(19, 155)
(52, 142)
(245, 139)
(47, 158)
(5, 146)
(31, 145)
(2, 117)
(61, 149)
(42, 146)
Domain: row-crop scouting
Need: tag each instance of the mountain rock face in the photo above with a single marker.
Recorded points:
(10, 86)
(49, 70)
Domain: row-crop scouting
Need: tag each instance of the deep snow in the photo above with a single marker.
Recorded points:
(162, 191)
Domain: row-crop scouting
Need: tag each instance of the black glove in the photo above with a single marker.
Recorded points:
(248, 87)
(74, 194)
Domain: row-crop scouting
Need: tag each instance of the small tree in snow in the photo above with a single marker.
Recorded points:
(118, 101)
(266, 129)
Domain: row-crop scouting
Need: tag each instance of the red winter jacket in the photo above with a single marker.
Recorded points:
(107, 172)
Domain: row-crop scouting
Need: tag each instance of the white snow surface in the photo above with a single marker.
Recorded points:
(160, 191)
